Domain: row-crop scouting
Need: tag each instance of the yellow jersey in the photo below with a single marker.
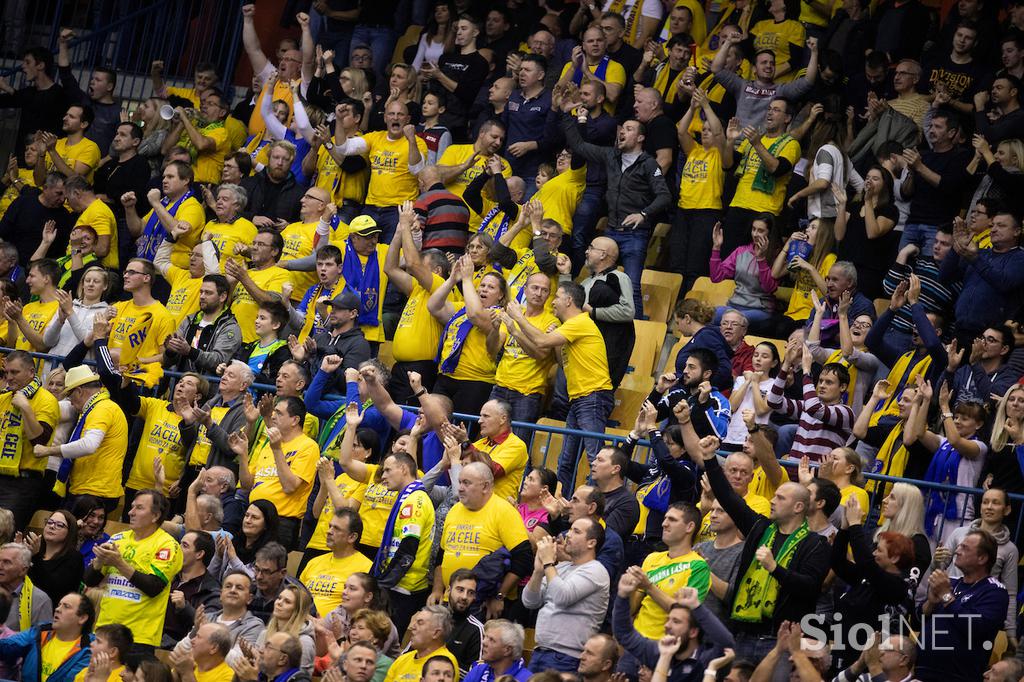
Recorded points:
(100, 473)
(475, 362)
(184, 298)
(349, 488)
(391, 183)
(760, 485)
(340, 184)
(225, 235)
(324, 577)
(800, 305)
(114, 676)
(614, 74)
(219, 673)
(750, 163)
(376, 506)
(27, 177)
(38, 316)
(16, 450)
(779, 37)
(457, 154)
(756, 502)
(585, 357)
(244, 306)
(84, 151)
(702, 179)
(140, 332)
(161, 437)
(301, 453)
(298, 243)
(191, 212)
(517, 370)
(53, 653)
(511, 455)
(418, 333)
(159, 555)
(201, 450)
(860, 494)
(99, 217)
(409, 666)
(209, 165)
(669, 574)
(469, 536)
(282, 91)
(561, 194)
(415, 519)
(373, 332)
(526, 267)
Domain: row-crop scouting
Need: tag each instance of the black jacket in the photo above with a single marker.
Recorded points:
(218, 342)
(353, 348)
(799, 584)
(270, 199)
(639, 188)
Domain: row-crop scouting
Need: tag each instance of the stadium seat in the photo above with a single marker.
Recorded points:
(881, 305)
(669, 365)
(650, 336)
(410, 37)
(713, 294)
(778, 343)
(702, 284)
(659, 240)
(38, 521)
(659, 290)
(546, 446)
(294, 559)
(630, 395)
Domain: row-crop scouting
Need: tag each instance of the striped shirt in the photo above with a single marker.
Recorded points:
(445, 219)
(821, 427)
(937, 297)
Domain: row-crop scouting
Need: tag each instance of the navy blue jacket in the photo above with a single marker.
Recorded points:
(711, 338)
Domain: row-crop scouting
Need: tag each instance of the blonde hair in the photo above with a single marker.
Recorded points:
(1016, 149)
(282, 144)
(909, 520)
(158, 123)
(360, 85)
(412, 90)
(108, 282)
(999, 434)
(851, 458)
(300, 614)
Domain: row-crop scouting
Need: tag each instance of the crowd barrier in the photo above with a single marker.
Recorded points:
(545, 449)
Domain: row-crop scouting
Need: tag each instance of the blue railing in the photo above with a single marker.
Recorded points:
(544, 435)
(127, 36)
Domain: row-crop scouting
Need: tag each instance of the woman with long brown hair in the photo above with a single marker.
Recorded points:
(57, 566)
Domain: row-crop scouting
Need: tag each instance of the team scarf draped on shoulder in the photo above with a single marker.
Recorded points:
(153, 234)
(64, 472)
(10, 453)
(380, 561)
(365, 281)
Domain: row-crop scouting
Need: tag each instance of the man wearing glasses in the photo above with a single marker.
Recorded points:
(259, 282)
(140, 326)
(986, 371)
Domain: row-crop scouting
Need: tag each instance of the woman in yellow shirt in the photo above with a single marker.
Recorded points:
(807, 273)
(465, 366)
(784, 35)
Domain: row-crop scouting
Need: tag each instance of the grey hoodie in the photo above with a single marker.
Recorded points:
(1005, 569)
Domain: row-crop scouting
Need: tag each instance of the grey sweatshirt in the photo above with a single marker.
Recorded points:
(572, 606)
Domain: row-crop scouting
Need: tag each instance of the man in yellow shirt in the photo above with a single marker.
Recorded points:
(28, 415)
(481, 524)
(586, 372)
(299, 238)
(97, 215)
(590, 62)
(541, 256)
(462, 163)
(229, 227)
(184, 300)
(258, 283)
(428, 632)
(140, 326)
(324, 576)
(73, 154)
(32, 320)
(561, 194)
(346, 186)
(283, 471)
(210, 645)
(138, 565)
(61, 649)
(208, 143)
(396, 156)
(362, 271)
(175, 209)
(114, 640)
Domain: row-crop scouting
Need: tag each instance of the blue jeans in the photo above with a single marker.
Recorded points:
(381, 41)
(755, 316)
(525, 408)
(547, 659)
(588, 211)
(340, 42)
(787, 434)
(920, 234)
(753, 648)
(588, 413)
(632, 254)
(386, 218)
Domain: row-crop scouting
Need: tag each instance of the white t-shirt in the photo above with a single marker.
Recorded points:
(830, 164)
(737, 433)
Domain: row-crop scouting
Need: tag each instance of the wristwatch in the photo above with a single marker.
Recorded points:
(328, 146)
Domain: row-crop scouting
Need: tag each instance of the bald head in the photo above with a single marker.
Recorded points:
(516, 188)
(429, 177)
(791, 501)
(603, 253)
(319, 194)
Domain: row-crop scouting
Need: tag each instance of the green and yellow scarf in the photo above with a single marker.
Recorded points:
(763, 180)
(758, 591)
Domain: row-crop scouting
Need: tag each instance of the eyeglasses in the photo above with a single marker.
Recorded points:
(860, 324)
(133, 272)
(50, 523)
(266, 571)
(310, 196)
(262, 244)
(990, 339)
(905, 73)
(594, 248)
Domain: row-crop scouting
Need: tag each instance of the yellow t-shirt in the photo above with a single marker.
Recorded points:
(325, 576)
(469, 536)
(519, 371)
(418, 333)
(114, 676)
(38, 316)
(244, 307)
(298, 243)
(339, 184)
(140, 332)
(350, 488)
(669, 574)
(53, 654)
(201, 450)
(184, 298)
(526, 267)
(585, 357)
(756, 502)
(99, 217)
(983, 239)
(810, 14)
(191, 212)
(614, 74)
(373, 332)
(754, 200)
(409, 667)
(760, 485)
(415, 519)
(860, 494)
(457, 154)
(226, 235)
(700, 185)
(511, 455)
(209, 165)
(47, 411)
(391, 183)
(123, 603)
(27, 176)
(779, 37)
(100, 473)
(185, 93)
(475, 363)
(161, 436)
(220, 673)
(800, 306)
(301, 453)
(85, 151)
(376, 506)
(560, 196)
(282, 91)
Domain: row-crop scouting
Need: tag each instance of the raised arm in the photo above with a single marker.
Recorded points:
(438, 304)
(251, 41)
(353, 467)
(392, 261)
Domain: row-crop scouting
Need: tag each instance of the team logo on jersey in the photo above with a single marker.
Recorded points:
(164, 554)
